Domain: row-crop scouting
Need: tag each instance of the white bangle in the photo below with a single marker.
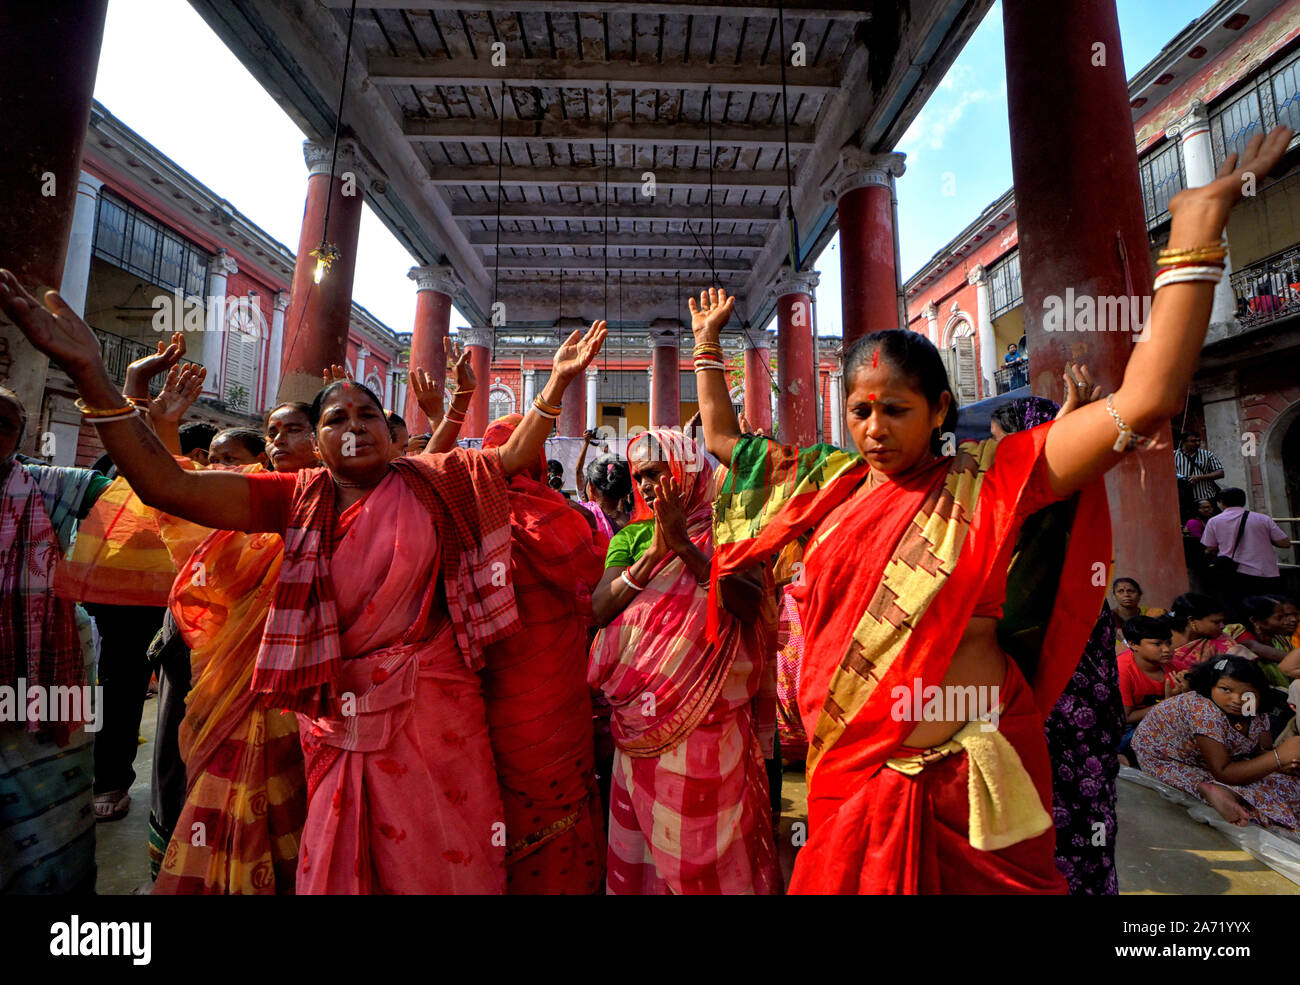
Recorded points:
(630, 583)
(125, 416)
(1179, 275)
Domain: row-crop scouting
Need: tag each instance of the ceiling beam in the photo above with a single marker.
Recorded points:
(850, 10)
(639, 264)
(486, 174)
(565, 74)
(593, 132)
(553, 239)
(582, 211)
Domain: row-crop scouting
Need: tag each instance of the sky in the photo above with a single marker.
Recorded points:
(166, 75)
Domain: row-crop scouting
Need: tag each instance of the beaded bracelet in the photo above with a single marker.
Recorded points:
(1127, 436)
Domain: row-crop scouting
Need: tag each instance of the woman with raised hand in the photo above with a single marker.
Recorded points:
(692, 719)
(393, 581)
(905, 580)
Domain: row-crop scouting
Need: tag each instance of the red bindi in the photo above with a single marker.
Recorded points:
(871, 398)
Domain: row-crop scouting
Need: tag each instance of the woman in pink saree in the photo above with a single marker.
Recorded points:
(392, 584)
(689, 810)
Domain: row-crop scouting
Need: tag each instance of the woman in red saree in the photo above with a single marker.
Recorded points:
(905, 581)
(689, 809)
(391, 586)
(535, 687)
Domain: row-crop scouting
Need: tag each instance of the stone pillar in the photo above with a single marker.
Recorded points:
(479, 343)
(758, 379)
(399, 396)
(593, 398)
(573, 405)
(931, 312)
(796, 360)
(279, 304)
(1069, 219)
(530, 389)
(435, 285)
(319, 314)
(984, 329)
(1198, 162)
(666, 375)
(220, 268)
(863, 186)
(81, 243)
(837, 408)
(359, 374)
(47, 77)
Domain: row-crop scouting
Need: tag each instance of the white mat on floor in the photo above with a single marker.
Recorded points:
(1279, 851)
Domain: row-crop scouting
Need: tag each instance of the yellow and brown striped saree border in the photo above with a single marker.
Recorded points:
(924, 558)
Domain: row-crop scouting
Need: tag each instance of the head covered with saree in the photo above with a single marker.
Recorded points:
(682, 457)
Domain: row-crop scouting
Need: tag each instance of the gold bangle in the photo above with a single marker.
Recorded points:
(547, 409)
(1209, 248)
(93, 412)
(1175, 259)
(709, 350)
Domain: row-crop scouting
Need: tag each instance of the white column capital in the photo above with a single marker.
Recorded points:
(977, 275)
(531, 374)
(88, 184)
(479, 336)
(317, 157)
(859, 168)
(1195, 120)
(280, 301)
(931, 311)
(756, 338)
(665, 338)
(592, 373)
(802, 282)
(222, 265)
(436, 277)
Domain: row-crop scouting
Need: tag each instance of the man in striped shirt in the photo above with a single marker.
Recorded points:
(1198, 467)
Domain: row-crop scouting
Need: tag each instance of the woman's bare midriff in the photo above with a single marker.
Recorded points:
(979, 661)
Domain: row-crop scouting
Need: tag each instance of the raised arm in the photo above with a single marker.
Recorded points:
(571, 359)
(428, 394)
(181, 388)
(211, 498)
(588, 439)
(1080, 447)
(708, 319)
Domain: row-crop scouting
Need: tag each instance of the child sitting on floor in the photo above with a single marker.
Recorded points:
(1145, 676)
(1214, 742)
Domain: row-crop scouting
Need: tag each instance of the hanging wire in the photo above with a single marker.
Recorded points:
(791, 220)
(713, 226)
(604, 226)
(496, 273)
(325, 249)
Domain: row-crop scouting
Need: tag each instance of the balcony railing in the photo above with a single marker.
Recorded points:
(119, 352)
(1268, 289)
(1012, 376)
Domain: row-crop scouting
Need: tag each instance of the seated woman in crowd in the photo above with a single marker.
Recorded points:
(1270, 621)
(1126, 604)
(1197, 623)
(1144, 674)
(1214, 742)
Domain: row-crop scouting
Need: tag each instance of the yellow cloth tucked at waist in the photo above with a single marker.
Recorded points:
(1004, 804)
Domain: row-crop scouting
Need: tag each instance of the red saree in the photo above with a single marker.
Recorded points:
(890, 580)
(535, 687)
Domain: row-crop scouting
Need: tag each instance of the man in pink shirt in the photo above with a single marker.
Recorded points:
(1257, 571)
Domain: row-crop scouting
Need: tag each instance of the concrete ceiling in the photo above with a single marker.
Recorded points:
(549, 115)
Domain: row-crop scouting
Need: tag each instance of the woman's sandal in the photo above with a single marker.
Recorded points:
(112, 806)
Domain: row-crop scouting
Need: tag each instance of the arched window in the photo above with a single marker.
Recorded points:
(501, 401)
(376, 386)
(959, 357)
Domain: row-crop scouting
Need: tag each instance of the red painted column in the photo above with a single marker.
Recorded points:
(758, 380)
(665, 379)
(435, 287)
(573, 406)
(316, 324)
(47, 76)
(863, 185)
(1077, 202)
(479, 343)
(796, 361)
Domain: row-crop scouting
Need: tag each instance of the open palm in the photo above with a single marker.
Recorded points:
(710, 316)
(53, 328)
(578, 350)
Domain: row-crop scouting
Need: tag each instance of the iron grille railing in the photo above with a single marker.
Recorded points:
(1268, 289)
(119, 352)
(1270, 98)
(1011, 376)
(1004, 284)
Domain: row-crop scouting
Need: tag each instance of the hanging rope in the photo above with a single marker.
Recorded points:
(496, 273)
(792, 222)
